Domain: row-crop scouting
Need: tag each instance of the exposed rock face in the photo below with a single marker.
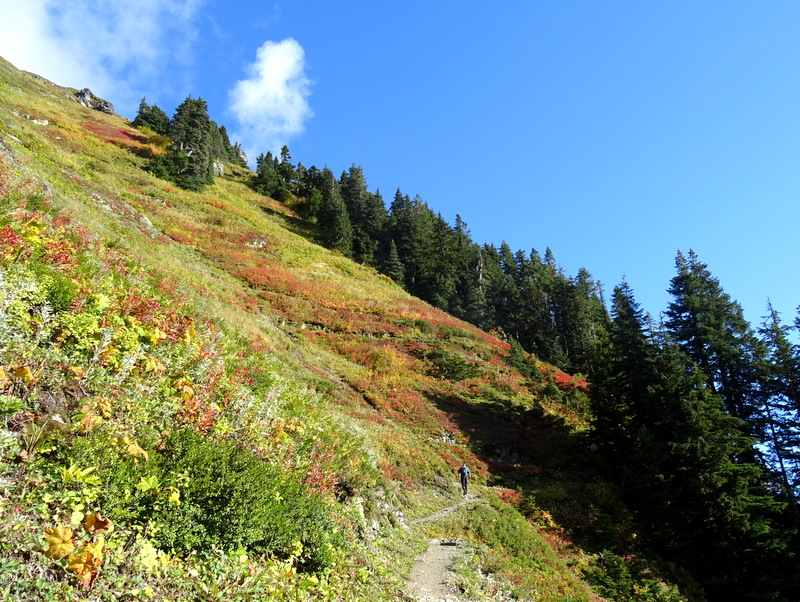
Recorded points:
(87, 99)
(242, 155)
(219, 169)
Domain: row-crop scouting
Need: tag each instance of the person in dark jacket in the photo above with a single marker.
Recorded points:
(464, 472)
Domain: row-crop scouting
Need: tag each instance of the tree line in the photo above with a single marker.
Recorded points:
(694, 417)
(194, 143)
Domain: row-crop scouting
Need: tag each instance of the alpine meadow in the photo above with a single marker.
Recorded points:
(221, 384)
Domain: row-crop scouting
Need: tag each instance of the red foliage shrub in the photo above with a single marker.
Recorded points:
(60, 253)
(563, 381)
(11, 243)
(509, 496)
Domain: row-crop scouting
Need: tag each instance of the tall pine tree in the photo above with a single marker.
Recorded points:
(711, 329)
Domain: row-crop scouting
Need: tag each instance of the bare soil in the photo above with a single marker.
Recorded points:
(430, 579)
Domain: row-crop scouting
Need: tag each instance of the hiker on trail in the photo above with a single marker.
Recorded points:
(464, 472)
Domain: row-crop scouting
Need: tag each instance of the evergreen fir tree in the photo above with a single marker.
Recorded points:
(780, 374)
(192, 130)
(393, 267)
(676, 456)
(334, 221)
(152, 117)
(712, 331)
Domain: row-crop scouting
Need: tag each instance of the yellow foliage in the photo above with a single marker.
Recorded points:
(174, 497)
(89, 420)
(134, 451)
(59, 542)
(86, 564)
(4, 382)
(32, 232)
(97, 523)
(78, 371)
(25, 373)
(153, 364)
(104, 405)
(184, 387)
(156, 336)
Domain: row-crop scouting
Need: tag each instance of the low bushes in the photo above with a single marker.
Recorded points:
(196, 494)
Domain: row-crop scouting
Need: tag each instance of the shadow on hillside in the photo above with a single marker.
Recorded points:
(511, 441)
(294, 224)
(543, 458)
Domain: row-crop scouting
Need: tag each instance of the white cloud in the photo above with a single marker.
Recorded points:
(271, 105)
(116, 48)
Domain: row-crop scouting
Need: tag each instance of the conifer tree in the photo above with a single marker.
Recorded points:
(780, 374)
(367, 213)
(393, 267)
(411, 227)
(334, 221)
(152, 117)
(710, 328)
(467, 301)
(192, 154)
(676, 456)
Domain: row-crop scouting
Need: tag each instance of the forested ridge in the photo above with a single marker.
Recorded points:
(221, 384)
(694, 416)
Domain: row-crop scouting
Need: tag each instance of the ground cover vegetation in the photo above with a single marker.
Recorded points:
(199, 402)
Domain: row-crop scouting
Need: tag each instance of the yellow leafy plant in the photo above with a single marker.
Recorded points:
(97, 524)
(25, 374)
(87, 562)
(134, 451)
(184, 387)
(59, 542)
(153, 364)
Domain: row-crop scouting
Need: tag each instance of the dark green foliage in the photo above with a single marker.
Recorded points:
(367, 214)
(627, 579)
(450, 366)
(232, 498)
(228, 497)
(393, 267)
(197, 143)
(780, 415)
(274, 179)
(152, 117)
(192, 133)
(333, 219)
(527, 366)
(232, 151)
(712, 331)
(61, 292)
(680, 460)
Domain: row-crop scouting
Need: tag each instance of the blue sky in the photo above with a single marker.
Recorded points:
(614, 133)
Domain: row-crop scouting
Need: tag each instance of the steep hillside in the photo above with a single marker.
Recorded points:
(199, 403)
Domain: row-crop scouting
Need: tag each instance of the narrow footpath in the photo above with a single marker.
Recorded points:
(430, 579)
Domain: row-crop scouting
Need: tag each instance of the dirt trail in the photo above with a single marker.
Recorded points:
(429, 578)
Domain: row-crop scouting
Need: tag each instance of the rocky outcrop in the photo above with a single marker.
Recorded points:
(218, 168)
(87, 99)
(242, 154)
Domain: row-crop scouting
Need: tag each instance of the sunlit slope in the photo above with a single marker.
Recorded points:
(369, 397)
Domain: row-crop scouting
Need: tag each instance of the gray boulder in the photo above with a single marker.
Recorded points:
(87, 99)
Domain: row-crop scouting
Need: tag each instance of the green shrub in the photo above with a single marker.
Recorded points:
(61, 292)
(624, 578)
(447, 331)
(450, 366)
(231, 498)
(198, 494)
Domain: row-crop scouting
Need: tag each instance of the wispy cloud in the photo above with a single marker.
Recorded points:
(116, 46)
(271, 105)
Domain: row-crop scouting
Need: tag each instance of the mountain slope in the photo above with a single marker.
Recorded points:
(256, 415)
